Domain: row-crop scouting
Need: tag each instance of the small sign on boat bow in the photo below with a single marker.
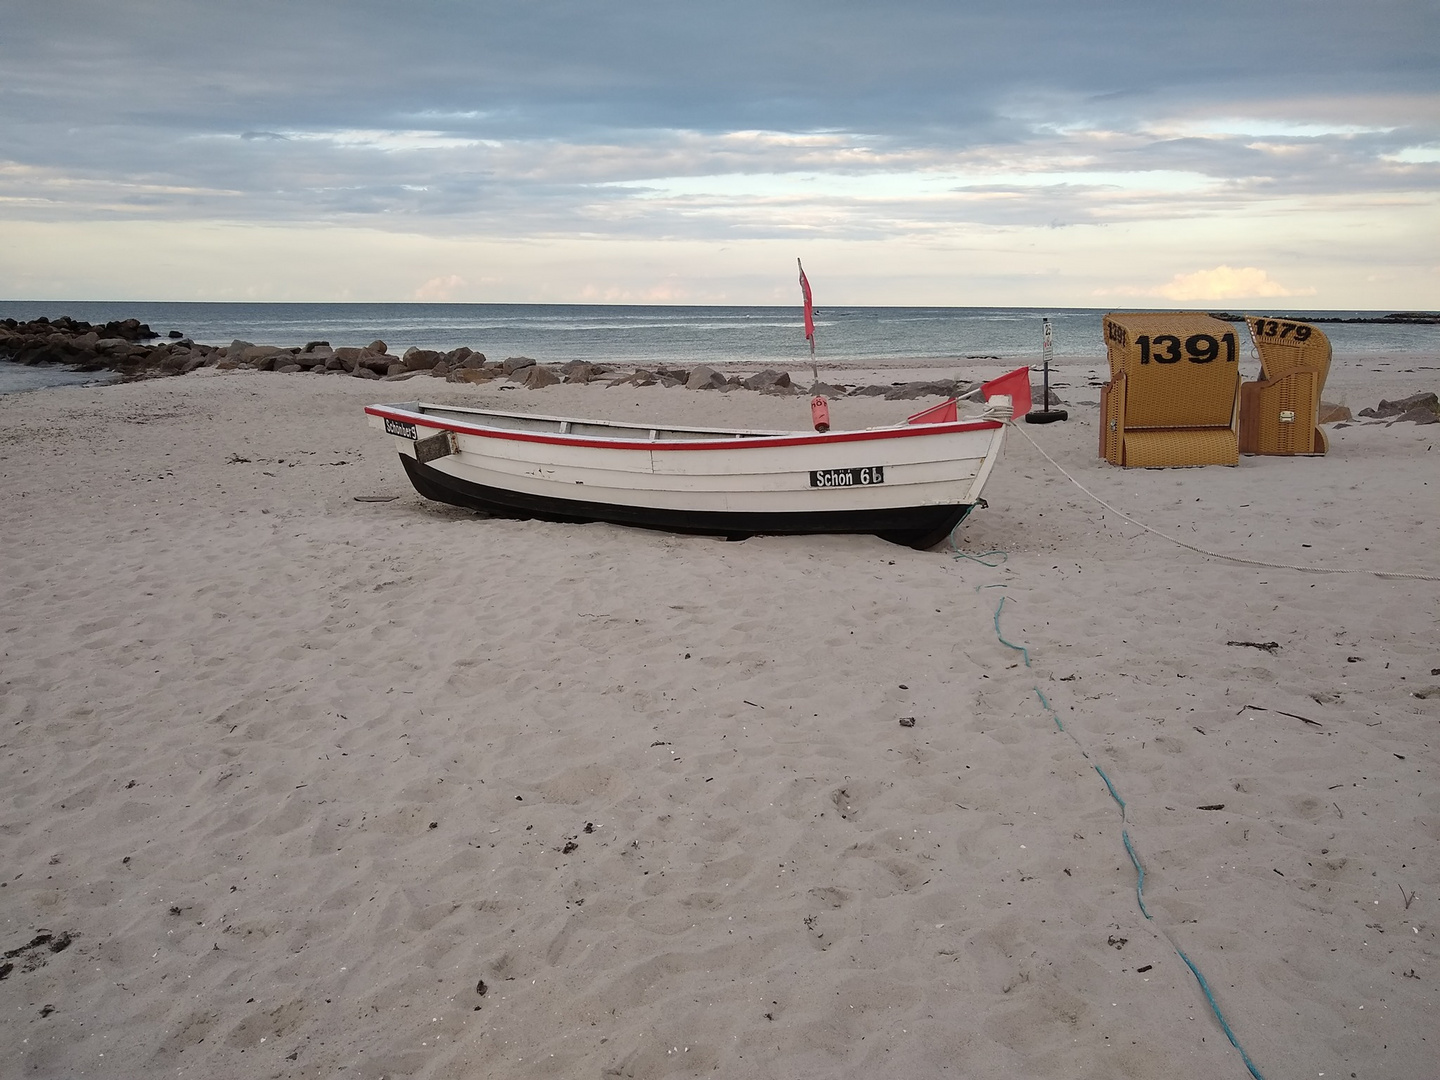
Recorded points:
(834, 478)
(401, 428)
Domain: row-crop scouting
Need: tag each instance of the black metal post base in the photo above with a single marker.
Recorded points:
(1046, 416)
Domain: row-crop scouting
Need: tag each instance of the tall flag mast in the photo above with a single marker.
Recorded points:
(809, 319)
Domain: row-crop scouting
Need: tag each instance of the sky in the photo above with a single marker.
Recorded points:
(1262, 154)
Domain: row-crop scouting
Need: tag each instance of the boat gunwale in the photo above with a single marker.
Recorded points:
(738, 438)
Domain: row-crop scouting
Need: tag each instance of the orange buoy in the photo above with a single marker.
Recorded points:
(820, 413)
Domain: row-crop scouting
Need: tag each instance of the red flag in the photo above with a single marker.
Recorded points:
(1016, 384)
(944, 413)
(809, 311)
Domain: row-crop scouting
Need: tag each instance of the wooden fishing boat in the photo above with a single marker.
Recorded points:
(910, 483)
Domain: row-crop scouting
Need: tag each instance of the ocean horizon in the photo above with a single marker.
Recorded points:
(721, 336)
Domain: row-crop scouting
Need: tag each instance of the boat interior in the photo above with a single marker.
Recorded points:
(562, 425)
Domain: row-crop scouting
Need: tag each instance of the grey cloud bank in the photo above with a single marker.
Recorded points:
(747, 122)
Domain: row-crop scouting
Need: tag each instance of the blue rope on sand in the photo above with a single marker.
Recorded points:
(1218, 1016)
(958, 554)
(1129, 850)
(1140, 890)
(1018, 648)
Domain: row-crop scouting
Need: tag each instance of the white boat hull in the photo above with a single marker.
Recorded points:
(910, 483)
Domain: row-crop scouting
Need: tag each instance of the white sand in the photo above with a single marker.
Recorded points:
(298, 772)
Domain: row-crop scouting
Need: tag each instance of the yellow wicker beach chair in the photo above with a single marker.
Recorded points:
(1174, 390)
(1280, 413)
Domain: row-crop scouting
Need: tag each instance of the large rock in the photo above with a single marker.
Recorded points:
(420, 359)
(1419, 415)
(129, 329)
(639, 377)
(316, 358)
(704, 378)
(457, 357)
(473, 375)
(263, 357)
(1423, 402)
(176, 362)
(578, 371)
(379, 363)
(536, 376)
(911, 390)
(767, 380)
(512, 364)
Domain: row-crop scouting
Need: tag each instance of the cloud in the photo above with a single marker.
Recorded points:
(440, 290)
(925, 122)
(1223, 283)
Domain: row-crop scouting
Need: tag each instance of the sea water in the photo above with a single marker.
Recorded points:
(15, 378)
(658, 335)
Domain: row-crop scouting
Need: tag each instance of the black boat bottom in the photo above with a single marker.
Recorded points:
(914, 526)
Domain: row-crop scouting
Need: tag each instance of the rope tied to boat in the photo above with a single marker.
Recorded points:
(1218, 554)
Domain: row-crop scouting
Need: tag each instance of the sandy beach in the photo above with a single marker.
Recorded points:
(296, 785)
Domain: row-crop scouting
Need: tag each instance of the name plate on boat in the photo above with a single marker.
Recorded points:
(400, 428)
(834, 478)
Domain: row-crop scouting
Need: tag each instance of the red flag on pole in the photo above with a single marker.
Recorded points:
(809, 309)
(1016, 384)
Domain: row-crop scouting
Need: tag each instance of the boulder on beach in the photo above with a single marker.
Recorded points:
(536, 376)
(911, 390)
(766, 380)
(640, 377)
(420, 359)
(512, 364)
(464, 358)
(704, 378)
(1419, 405)
(379, 363)
(472, 375)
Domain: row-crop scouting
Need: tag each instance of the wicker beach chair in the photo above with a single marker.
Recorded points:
(1280, 414)
(1174, 390)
